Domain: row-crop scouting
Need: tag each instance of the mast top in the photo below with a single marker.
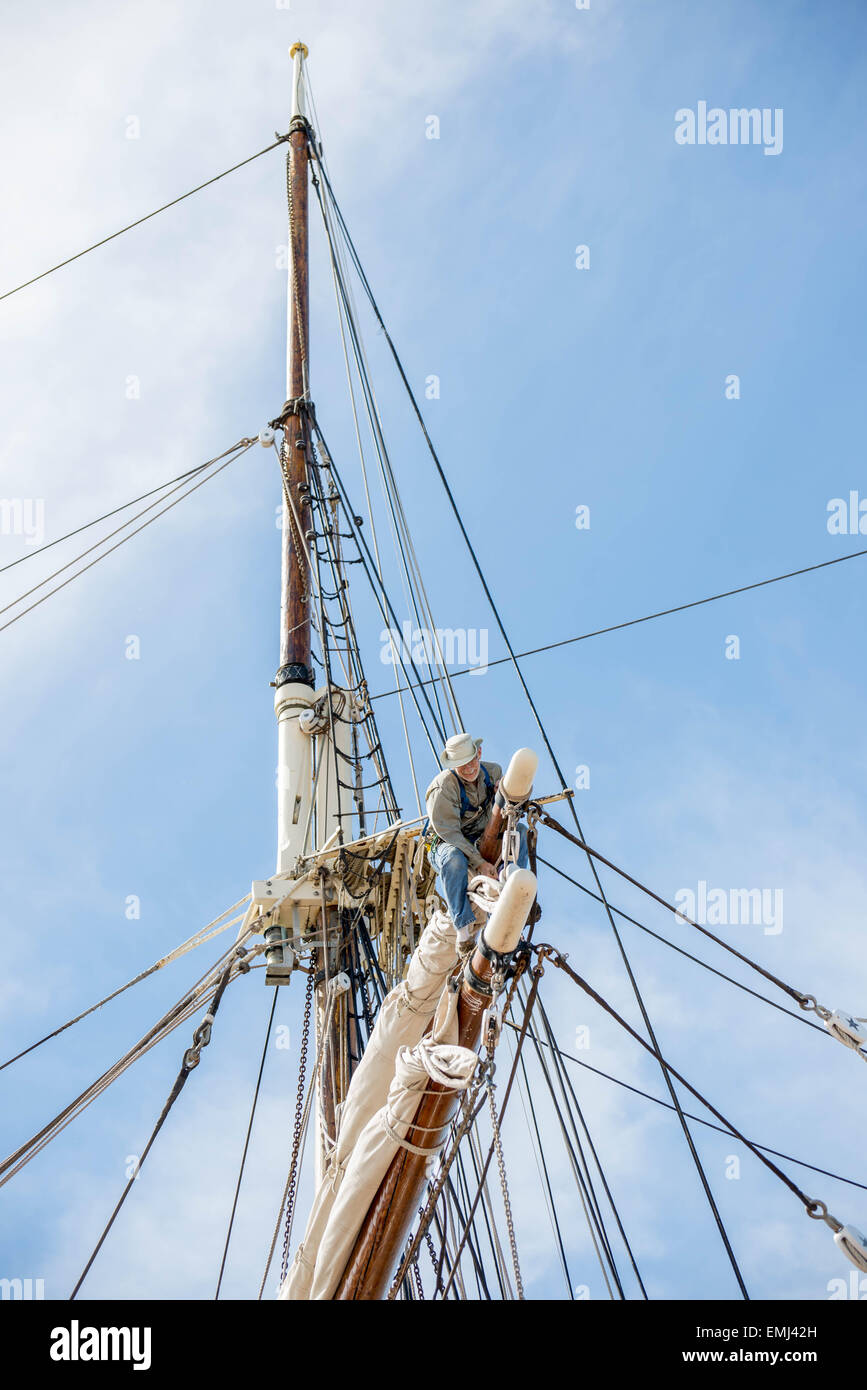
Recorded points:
(298, 52)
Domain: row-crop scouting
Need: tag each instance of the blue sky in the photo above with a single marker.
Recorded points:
(559, 387)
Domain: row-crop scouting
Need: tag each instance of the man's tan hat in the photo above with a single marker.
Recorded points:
(460, 749)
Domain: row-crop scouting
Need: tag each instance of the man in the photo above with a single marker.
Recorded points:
(459, 803)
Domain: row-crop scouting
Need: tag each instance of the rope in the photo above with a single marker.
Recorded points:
(201, 1038)
(586, 1193)
(138, 222)
(534, 989)
(649, 617)
(537, 717)
(77, 575)
(542, 1168)
(414, 588)
(179, 1012)
(563, 1076)
(197, 940)
(561, 830)
(383, 601)
(708, 1124)
(558, 960)
(247, 1142)
(799, 1018)
(105, 517)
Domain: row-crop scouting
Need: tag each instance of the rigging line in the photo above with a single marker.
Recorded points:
(584, 1184)
(552, 954)
(331, 743)
(117, 544)
(138, 222)
(190, 1061)
(103, 539)
(708, 1124)
(154, 1034)
(295, 1168)
(361, 543)
(247, 1142)
(563, 1076)
(189, 945)
(389, 482)
(648, 617)
(406, 580)
(542, 1167)
(443, 479)
(553, 824)
(107, 515)
(398, 519)
(379, 600)
(459, 1194)
(399, 690)
(487, 1211)
(799, 1018)
(101, 1086)
(534, 990)
(503, 1276)
(355, 661)
(543, 732)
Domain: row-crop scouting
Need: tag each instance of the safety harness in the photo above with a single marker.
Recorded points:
(431, 838)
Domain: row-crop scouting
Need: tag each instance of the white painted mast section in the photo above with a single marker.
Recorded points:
(298, 52)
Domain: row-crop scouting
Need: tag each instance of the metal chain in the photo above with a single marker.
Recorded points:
(505, 1186)
(296, 1136)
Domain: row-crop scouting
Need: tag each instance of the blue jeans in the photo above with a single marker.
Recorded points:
(453, 873)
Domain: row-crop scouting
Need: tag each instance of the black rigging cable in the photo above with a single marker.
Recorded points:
(708, 1124)
(106, 516)
(247, 444)
(552, 954)
(799, 1018)
(201, 1038)
(648, 617)
(247, 1142)
(584, 1183)
(535, 712)
(552, 1207)
(563, 1076)
(128, 228)
(553, 824)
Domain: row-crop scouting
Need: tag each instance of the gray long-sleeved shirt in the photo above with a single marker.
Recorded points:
(443, 802)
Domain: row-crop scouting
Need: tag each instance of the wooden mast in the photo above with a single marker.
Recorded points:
(296, 672)
(295, 664)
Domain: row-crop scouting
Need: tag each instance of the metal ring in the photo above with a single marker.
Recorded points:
(808, 1002)
(817, 1210)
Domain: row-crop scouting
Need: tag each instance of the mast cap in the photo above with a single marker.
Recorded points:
(305, 51)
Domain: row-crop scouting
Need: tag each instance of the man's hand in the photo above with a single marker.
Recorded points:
(487, 869)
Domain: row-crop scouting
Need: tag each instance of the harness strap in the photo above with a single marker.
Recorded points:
(430, 836)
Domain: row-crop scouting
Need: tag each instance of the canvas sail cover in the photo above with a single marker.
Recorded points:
(376, 1087)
